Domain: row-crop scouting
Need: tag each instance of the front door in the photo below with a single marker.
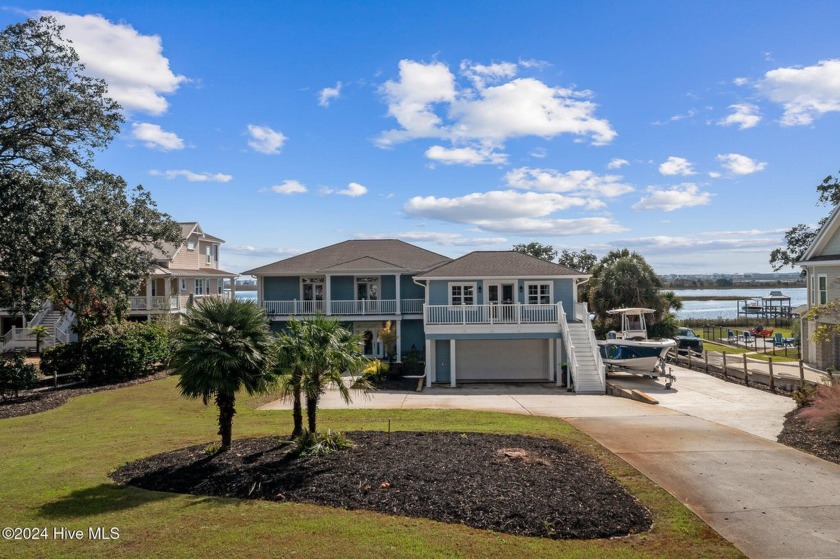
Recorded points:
(367, 294)
(501, 294)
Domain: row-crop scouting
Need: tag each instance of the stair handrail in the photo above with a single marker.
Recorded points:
(62, 327)
(582, 312)
(570, 348)
(46, 307)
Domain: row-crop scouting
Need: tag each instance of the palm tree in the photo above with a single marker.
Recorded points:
(332, 349)
(40, 333)
(291, 358)
(221, 348)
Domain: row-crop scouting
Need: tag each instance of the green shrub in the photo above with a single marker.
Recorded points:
(804, 396)
(124, 351)
(16, 375)
(375, 370)
(413, 363)
(318, 444)
(64, 359)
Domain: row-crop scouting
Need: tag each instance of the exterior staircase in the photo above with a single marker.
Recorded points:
(589, 377)
(56, 323)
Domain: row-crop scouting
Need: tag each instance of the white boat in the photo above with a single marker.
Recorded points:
(630, 349)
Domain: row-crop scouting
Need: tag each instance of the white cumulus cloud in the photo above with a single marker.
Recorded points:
(438, 238)
(617, 163)
(579, 182)
(288, 186)
(738, 164)
(353, 190)
(265, 140)
(132, 64)
(155, 137)
(744, 115)
(805, 93)
(465, 156)
(428, 102)
(328, 94)
(669, 199)
(191, 176)
(676, 166)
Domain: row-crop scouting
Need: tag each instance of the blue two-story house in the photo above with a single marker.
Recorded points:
(495, 316)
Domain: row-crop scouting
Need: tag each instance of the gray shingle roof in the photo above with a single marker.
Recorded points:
(508, 263)
(363, 255)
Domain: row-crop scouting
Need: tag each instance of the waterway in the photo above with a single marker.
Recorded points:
(729, 309)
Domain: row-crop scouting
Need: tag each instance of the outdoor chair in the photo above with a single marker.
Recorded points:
(747, 337)
(779, 340)
(731, 337)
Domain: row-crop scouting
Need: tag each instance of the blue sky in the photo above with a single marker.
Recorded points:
(692, 132)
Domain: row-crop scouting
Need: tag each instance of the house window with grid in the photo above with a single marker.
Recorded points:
(538, 293)
(822, 286)
(462, 294)
(199, 286)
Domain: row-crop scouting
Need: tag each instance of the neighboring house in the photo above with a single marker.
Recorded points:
(363, 283)
(821, 263)
(183, 274)
(487, 316)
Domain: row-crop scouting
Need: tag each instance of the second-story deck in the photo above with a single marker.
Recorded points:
(363, 307)
(492, 317)
(170, 304)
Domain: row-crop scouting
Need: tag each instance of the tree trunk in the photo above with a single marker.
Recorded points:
(297, 415)
(226, 404)
(311, 412)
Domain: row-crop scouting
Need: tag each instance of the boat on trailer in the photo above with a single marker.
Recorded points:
(630, 350)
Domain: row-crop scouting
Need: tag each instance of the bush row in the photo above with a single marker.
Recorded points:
(112, 353)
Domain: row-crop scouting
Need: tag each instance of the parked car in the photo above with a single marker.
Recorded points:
(688, 340)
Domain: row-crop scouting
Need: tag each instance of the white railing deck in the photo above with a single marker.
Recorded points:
(155, 303)
(582, 314)
(571, 356)
(359, 307)
(493, 314)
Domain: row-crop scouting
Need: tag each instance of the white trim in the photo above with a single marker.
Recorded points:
(823, 236)
(526, 298)
(462, 284)
(431, 370)
(397, 293)
(327, 292)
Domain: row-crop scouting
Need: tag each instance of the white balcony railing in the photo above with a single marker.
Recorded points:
(491, 314)
(411, 306)
(154, 303)
(364, 306)
(293, 307)
(347, 308)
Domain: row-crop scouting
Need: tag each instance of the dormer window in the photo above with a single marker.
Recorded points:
(190, 245)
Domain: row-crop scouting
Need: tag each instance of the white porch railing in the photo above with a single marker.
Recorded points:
(155, 303)
(411, 306)
(571, 356)
(582, 314)
(364, 306)
(46, 307)
(493, 314)
(293, 307)
(62, 327)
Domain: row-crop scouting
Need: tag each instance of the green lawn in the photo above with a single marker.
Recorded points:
(54, 468)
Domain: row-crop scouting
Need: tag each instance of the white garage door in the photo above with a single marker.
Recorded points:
(494, 360)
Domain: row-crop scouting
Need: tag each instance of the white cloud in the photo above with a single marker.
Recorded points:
(466, 156)
(553, 227)
(133, 65)
(191, 176)
(288, 186)
(353, 190)
(745, 115)
(617, 163)
(265, 140)
(539, 153)
(704, 242)
(328, 94)
(677, 117)
(155, 137)
(580, 182)
(740, 164)
(494, 205)
(438, 238)
(804, 93)
(481, 74)
(249, 250)
(519, 107)
(681, 196)
(740, 81)
(676, 166)
(714, 174)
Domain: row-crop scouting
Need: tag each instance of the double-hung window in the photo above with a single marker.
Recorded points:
(822, 290)
(199, 286)
(538, 293)
(462, 294)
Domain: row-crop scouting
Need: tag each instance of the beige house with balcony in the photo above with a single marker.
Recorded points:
(182, 275)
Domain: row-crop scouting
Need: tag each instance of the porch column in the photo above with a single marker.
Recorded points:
(328, 293)
(167, 292)
(399, 303)
(430, 361)
(552, 367)
(398, 348)
(232, 288)
(559, 369)
(452, 366)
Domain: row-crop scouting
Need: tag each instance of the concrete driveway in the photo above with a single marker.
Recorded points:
(709, 443)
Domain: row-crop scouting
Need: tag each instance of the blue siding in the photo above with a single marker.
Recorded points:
(438, 292)
(564, 292)
(410, 290)
(388, 287)
(281, 288)
(443, 369)
(412, 335)
(343, 288)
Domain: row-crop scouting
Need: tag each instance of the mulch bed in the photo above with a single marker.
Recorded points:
(798, 434)
(36, 402)
(398, 384)
(506, 483)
